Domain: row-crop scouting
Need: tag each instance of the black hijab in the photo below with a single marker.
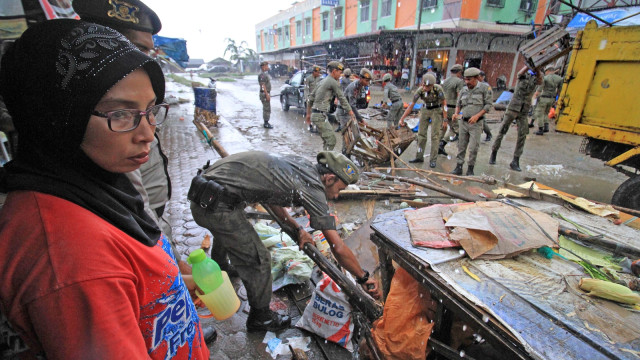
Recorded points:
(51, 79)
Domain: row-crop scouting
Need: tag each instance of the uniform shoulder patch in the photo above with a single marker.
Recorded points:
(123, 11)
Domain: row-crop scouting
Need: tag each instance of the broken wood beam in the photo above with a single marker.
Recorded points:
(488, 181)
(440, 189)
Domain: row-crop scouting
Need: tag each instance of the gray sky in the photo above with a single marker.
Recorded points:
(206, 23)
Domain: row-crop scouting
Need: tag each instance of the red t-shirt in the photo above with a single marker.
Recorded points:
(76, 287)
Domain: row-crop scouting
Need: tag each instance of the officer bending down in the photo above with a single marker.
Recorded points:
(218, 198)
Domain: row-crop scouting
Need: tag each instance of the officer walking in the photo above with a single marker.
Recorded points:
(433, 112)
(391, 94)
(485, 126)
(518, 109)
(218, 199)
(352, 93)
(265, 91)
(451, 87)
(310, 82)
(474, 101)
(546, 94)
(320, 101)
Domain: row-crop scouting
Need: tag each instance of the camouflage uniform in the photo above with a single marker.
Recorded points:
(263, 79)
(255, 176)
(451, 87)
(431, 114)
(471, 102)
(395, 111)
(550, 87)
(320, 101)
(518, 109)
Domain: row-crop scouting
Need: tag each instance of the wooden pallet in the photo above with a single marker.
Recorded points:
(547, 47)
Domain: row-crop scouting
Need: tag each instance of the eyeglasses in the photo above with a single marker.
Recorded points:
(128, 119)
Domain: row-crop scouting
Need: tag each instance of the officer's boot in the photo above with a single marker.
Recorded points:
(457, 170)
(515, 164)
(441, 148)
(540, 131)
(492, 158)
(470, 170)
(531, 123)
(546, 127)
(266, 320)
(489, 136)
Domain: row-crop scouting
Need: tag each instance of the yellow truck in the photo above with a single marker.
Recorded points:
(600, 99)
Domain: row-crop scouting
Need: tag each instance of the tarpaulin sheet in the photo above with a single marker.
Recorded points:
(174, 48)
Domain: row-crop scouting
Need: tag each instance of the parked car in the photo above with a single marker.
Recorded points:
(292, 94)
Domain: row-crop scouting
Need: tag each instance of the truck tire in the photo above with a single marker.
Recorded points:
(628, 194)
(283, 103)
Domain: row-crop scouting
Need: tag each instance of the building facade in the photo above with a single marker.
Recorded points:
(481, 33)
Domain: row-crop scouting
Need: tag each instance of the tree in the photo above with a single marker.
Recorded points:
(237, 52)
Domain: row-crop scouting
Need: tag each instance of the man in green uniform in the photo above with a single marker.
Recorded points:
(546, 94)
(310, 82)
(218, 198)
(341, 114)
(518, 109)
(352, 93)
(392, 95)
(433, 112)
(320, 101)
(474, 101)
(485, 126)
(265, 94)
(451, 87)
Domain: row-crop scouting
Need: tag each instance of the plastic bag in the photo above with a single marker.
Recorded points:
(328, 314)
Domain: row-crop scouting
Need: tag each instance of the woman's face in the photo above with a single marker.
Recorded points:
(127, 151)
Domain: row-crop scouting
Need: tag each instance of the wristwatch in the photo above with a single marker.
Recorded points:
(364, 278)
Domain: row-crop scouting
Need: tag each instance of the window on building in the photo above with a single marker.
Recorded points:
(259, 43)
(325, 21)
(386, 8)
(298, 28)
(526, 5)
(364, 10)
(495, 3)
(338, 18)
(427, 4)
(307, 26)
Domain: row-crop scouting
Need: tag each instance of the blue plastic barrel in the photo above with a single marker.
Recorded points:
(205, 98)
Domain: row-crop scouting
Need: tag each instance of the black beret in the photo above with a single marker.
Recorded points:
(119, 14)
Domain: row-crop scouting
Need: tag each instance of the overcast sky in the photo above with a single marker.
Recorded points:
(206, 23)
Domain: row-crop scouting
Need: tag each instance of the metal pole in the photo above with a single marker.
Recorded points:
(414, 58)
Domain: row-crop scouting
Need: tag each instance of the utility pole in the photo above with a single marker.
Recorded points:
(414, 58)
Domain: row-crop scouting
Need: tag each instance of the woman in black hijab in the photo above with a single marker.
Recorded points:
(85, 272)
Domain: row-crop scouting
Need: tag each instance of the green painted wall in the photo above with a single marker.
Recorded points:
(364, 26)
(309, 37)
(389, 21)
(509, 13)
(432, 14)
(325, 35)
(299, 33)
(338, 33)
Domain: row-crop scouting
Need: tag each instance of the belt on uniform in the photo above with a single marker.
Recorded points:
(395, 101)
(432, 107)
(467, 119)
(316, 111)
(547, 96)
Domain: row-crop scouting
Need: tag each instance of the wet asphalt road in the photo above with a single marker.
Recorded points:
(552, 159)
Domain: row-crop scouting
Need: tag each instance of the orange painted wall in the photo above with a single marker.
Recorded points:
(292, 31)
(406, 13)
(470, 9)
(541, 11)
(275, 38)
(351, 17)
(316, 24)
(261, 39)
